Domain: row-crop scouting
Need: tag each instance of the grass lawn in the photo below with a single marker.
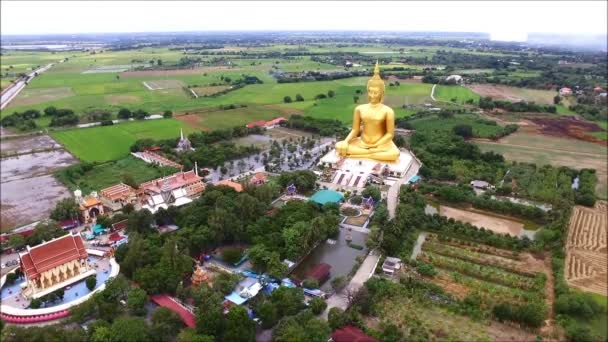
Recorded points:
(433, 122)
(113, 142)
(542, 150)
(110, 173)
(460, 94)
(219, 119)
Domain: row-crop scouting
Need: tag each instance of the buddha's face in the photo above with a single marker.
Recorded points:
(374, 94)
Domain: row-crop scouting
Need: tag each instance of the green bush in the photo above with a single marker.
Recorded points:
(310, 284)
(355, 246)
(91, 282)
(317, 305)
(232, 255)
(426, 269)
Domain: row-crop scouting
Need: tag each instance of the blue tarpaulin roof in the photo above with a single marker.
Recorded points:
(235, 298)
(414, 179)
(327, 196)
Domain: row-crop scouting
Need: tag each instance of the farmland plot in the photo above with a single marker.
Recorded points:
(586, 259)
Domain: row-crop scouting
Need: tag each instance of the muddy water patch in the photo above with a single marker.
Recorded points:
(32, 165)
(27, 144)
(31, 199)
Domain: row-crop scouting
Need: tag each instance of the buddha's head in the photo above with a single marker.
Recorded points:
(375, 87)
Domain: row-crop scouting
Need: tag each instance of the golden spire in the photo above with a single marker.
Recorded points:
(376, 71)
(376, 80)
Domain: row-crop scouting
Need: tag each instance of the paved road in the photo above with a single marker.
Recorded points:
(418, 246)
(339, 300)
(13, 91)
(393, 192)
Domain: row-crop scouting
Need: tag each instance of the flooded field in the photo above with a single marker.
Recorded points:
(340, 256)
(27, 188)
(27, 200)
(27, 144)
(32, 165)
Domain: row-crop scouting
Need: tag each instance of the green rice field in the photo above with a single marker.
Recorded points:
(103, 143)
(457, 93)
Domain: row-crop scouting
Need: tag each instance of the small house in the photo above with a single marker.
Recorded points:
(481, 185)
(454, 79)
(319, 272)
(391, 265)
(565, 91)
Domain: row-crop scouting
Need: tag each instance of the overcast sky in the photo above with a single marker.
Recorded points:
(507, 20)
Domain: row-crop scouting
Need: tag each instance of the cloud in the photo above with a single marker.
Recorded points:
(499, 18)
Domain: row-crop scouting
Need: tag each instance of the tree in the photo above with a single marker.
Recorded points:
(50, 111)
(373, 191)
(91, 282)
(287, 99)
(136, 301)
(556, 99)
(331, 93)
(165, 324)
(465, 131)
(288, 301)
(167, 114)
(317, 305)
(124, 114)
(356, 98)
(117, 77)
(190, 335)
(239, 327)
(101, 334)
(210, 312)
(16, 241)
(129, 329)
(299, 98)
(65, 209)
(267, 313)
(159, 62)
(140, 221)
(339, 283)
(140, 114)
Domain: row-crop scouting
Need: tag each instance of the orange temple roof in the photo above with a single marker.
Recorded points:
(51, 254)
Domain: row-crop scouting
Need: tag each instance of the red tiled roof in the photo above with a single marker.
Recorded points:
(175, 181)
(119, 190)
(236, 186)
(351, 334)
(258, 177)
(319, 272)
(275, 121)
(51, 254)
(120, 225)
(260, 123)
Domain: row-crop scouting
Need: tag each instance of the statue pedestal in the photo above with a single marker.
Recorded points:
(356, 172)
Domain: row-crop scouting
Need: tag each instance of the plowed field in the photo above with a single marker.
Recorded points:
(587, 258)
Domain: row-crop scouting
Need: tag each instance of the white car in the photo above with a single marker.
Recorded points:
(3, 266)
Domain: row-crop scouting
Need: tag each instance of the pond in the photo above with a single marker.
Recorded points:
(338, 255)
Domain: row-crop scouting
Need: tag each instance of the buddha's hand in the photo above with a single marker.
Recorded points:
(342, 148)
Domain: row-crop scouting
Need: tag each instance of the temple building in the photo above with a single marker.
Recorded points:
(183, 144)
(54, 264)
(199, 276)
(177, 189)
(117, 196)
(90, 205)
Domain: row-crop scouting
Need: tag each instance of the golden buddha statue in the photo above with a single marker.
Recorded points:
(376, 122)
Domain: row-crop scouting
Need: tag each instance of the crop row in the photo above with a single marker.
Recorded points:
(486, 273)
(476, 258)
(474, 247)
(491, 293)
